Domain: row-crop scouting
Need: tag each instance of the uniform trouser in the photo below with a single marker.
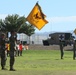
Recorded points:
(7, 52)
(21, 53)
(12, 60)
(62, 53)
(74, 54)
(3, 60)
(18, 52)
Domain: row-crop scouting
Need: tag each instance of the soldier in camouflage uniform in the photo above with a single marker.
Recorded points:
(2, 51)
(61, 44)
(74, 49)
(12, 41)
(61, 49)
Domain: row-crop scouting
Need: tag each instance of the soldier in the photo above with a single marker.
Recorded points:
(74, 49)
(61, 49)
(61, 39)
(12, 41)
(2, 51)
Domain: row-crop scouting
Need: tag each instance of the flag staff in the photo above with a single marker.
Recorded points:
(19, 29)
(20, 26)
(37, 2)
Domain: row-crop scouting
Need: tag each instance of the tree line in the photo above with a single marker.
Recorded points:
(16, 23)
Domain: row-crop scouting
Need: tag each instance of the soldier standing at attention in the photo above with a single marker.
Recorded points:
(74, 49)
(61, 49)
(61, 39)
(2, 51)
(12, 41)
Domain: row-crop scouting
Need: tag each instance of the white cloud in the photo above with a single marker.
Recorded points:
(62, 19)
(2, 16)
(52, 19)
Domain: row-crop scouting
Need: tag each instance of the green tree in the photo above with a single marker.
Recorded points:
(2, 28)
(13, 22)
(18, 24)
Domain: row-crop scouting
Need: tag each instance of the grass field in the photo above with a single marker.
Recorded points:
(42, 62)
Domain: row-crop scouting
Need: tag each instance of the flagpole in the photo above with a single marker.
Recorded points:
(19, 28)
(37, 2)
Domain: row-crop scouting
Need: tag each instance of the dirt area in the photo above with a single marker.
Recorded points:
(51, 47)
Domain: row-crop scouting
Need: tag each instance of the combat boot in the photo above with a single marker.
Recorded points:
(12, 69)
(3, 68)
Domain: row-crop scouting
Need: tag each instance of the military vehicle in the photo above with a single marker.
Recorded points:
(54, 38)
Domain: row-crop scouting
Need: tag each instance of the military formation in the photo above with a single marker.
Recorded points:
(4, 51)
(10, 48)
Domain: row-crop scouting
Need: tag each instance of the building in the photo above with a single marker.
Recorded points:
(34, 39)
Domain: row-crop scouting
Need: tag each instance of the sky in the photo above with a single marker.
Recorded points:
(61, 14)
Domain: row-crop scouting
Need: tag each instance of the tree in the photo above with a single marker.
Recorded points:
(16, 23)
(2, 28)
(12, 22)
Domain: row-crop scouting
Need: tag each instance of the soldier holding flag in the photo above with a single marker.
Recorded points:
(12, 41)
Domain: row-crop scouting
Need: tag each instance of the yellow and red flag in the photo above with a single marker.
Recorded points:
(36, 17)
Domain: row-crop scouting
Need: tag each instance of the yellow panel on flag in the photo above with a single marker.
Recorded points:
(35, 18)
(75, 31)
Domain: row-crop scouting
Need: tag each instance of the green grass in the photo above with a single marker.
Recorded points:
(43, 62)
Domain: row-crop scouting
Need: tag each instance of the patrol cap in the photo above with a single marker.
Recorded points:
(12, 32)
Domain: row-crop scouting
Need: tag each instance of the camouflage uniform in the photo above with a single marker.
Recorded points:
(61, 49)
(2, 51)
(74, 49)
(61, 39)
(12, 40)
